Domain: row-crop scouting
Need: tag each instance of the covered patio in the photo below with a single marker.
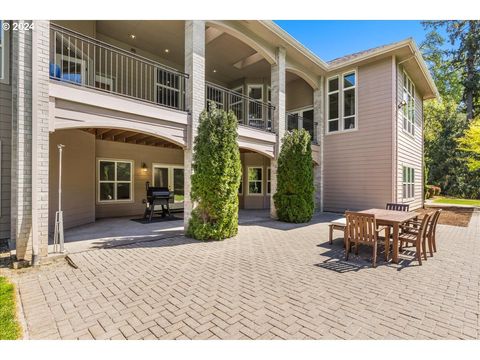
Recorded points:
(119, 231)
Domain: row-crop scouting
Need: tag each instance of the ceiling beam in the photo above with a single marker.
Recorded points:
(211, 34)
(113, 133)
(249, 60)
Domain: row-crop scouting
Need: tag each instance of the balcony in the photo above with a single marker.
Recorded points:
(249, 111)
(295, 121)
(87, 62)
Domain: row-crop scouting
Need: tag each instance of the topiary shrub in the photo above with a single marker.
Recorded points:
(216, 177)
(294, 197)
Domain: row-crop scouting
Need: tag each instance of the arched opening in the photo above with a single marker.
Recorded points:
(238, 71)
(104, 176)
(255, 189)
(299, 104)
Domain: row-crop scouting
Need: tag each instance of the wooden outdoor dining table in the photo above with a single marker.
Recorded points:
(394, 219)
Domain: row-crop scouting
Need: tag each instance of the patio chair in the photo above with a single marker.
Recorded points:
(397, 207)
(431, 231)
(338, 224)
(416, 235)
(362, 228)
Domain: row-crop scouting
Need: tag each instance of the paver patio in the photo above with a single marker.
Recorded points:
(274, 280)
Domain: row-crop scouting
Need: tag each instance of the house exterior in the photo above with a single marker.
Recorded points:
(124, 98)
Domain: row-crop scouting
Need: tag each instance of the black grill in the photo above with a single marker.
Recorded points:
(158, 201)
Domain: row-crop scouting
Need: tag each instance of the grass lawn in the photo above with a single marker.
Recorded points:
(9, 328)
(455, 201)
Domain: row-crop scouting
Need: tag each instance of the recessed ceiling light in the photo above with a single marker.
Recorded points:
(133, 36)
(167, 51)
(214, 70)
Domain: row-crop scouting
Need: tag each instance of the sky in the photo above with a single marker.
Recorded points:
(330, 39)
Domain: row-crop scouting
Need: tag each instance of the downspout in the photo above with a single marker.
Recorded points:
(35, 235)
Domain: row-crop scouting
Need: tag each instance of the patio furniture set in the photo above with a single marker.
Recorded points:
(400, 226)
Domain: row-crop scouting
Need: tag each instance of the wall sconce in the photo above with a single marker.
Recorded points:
(144, 167)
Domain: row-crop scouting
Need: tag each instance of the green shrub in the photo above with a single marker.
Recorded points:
(216, 177)
(294, 197)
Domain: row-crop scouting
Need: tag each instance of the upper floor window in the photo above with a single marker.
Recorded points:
(341, 102)
(3, 52)
(408, 109)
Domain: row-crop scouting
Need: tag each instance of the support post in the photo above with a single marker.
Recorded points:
(194, 99)
(279, 117)
(318, 118)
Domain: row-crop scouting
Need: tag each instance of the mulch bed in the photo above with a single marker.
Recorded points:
(451, 215)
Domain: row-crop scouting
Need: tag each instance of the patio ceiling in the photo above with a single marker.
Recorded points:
(130, 137)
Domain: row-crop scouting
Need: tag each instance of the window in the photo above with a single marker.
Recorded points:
(255, 108)
(301, 119)
(408, 182)
(341, 102)
(3, 53)
(236, 103)
(240, 187)
(269, 181)
(168, 88)
(115, 180)
(255, 177)
(408, 110)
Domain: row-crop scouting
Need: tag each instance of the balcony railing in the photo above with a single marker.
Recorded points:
(84, 61)
(249, 111)
(295, 121)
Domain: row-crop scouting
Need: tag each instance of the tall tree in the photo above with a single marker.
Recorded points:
(464, 54)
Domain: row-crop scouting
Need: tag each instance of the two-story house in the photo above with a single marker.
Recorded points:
(124, 98)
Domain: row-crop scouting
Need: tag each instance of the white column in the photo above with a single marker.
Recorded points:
(318, 118)
(278, 101)
(194, 98)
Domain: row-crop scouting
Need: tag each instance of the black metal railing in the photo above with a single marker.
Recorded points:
(249, 111)
(84, 61)
(295, 121)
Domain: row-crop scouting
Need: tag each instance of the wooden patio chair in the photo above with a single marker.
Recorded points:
(397, 207)
(431, 231)
(338, 224)
(415, 234)
(362, 228)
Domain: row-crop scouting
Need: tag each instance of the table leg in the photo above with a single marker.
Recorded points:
(395, 244)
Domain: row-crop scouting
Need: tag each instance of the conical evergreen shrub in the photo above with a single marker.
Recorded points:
(294, 199)
(216, 177)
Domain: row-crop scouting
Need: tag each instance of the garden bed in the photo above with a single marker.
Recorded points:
(451, 215)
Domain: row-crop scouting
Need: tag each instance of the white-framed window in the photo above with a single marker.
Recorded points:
(115, 179)
(236, 103)
(255, 108)
(255, 180)
(269, 180)
(168, 88)
(240, 187)
(342, 102)
(408, 182)
(4, 55)
(408, 110)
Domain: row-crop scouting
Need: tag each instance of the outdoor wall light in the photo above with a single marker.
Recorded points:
(144, 167)
(402, 104)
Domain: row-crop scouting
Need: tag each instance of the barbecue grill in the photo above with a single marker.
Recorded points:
(158, 201)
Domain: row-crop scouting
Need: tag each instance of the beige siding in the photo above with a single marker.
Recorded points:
(410, 148)
(138, 154)
(358, 164)
(254, 201)
(78, 177)
(298, 95)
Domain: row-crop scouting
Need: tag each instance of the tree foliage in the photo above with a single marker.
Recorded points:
(463, 56)
(454, 64)
(294, 197)
(470, 143)
(216, 177)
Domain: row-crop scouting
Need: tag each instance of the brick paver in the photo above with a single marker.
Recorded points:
(273, 281)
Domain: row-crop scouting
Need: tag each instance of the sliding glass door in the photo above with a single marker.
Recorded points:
(170, 176)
